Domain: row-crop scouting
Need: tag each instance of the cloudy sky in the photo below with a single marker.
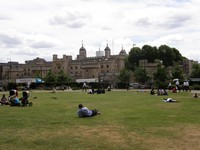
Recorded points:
(41, 28)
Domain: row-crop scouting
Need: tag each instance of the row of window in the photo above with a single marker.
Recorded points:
(76, 73)
(102, 66)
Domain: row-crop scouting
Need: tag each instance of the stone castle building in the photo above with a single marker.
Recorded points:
(104, 67)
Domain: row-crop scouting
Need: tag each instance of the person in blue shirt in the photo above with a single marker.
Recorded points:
(85, 112)
(15, 101)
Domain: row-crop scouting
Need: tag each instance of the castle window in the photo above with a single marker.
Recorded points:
(71, 67)
(101, 66)
(76, 67)
(107, 66)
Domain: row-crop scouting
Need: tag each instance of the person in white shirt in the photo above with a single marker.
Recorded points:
(177, 85)
(85, 112)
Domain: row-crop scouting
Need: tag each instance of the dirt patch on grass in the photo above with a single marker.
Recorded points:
(181, 137)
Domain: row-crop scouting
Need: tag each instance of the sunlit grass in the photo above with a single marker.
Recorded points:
(129, 120)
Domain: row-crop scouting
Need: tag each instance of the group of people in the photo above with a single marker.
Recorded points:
(177, 88)
(98, 91)
(13, 99)
(159, 92)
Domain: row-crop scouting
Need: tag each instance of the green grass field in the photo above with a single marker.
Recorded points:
(130, 120)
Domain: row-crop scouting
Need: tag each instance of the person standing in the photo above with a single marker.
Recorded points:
(84, 86)
(169, 86)
(177, 85)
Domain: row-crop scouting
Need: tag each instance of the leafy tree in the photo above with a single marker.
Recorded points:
(166, 55)
(178, 57)
(150, 53)
(196, 71)
(160, 76)
(141, 75)
(177, 73)
(127, 64)
(62, 78)
(50, 78)
(134, 57)
(125, 76)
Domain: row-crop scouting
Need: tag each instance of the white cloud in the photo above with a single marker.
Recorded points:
(36, 28)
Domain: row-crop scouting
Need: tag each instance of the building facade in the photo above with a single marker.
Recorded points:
(104, 67)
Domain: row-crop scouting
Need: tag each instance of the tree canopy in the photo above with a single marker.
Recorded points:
(164, 53)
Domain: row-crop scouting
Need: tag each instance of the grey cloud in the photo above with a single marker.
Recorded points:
(9, 41)
(25, 52)
(71, 19)
(176, 21)
(42, 44)
(143, 22)
(106, 28)
(4, 17)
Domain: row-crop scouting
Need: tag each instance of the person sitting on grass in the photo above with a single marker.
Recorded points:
(14, 100)
(4, 100)
(195, 95)
(85, 112)
(152, 91)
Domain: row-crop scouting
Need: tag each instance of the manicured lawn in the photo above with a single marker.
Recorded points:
(130, 120)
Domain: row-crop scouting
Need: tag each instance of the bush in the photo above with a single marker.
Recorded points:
(195, 87)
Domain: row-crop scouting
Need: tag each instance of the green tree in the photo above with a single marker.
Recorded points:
(50, 78)
(124, 76)
(178, 57)
(161, 77)
(141, 75)
(150, 53)
(196, 71)
(134, 56)
(177, 73)
(62, 78)
(169, 55)
(166, 55)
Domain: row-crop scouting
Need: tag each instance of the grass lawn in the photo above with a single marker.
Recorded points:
(130, 120)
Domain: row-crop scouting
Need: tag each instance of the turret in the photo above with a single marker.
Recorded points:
(82, 53)
(107, 51)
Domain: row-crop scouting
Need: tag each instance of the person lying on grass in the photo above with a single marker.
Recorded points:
(169, 100)
(85, 112)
